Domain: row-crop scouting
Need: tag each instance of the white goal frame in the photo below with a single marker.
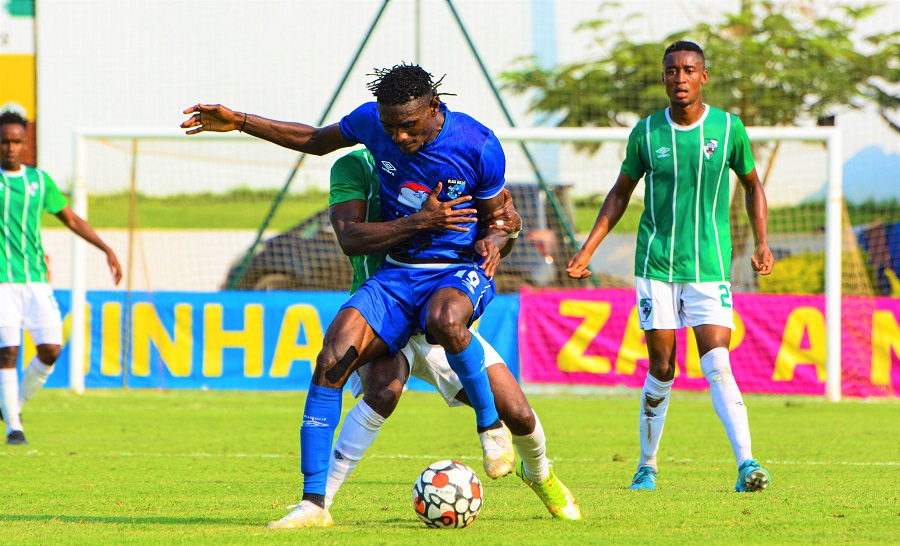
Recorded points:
(830, 136)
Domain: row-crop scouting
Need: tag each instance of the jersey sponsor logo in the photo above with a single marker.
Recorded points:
(663, 152)
(455, 187)
(646, 305)
(710, 147)
(413, 194)
(388, 168)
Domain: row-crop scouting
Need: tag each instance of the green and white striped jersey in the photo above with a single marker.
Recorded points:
(685, 233)
(24, 196)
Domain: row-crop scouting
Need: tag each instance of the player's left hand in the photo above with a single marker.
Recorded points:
(762, 260)
(210, 117)
(491, 254)
(505, 218)
(114, 267)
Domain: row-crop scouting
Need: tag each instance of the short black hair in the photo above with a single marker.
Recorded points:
(402, 83)
(11, 116)
(684, 45)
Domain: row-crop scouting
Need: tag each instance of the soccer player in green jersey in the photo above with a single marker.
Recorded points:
(26, 299)
(683, 256)
(356, 217)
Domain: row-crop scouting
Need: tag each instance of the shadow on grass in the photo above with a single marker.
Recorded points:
(164, 520)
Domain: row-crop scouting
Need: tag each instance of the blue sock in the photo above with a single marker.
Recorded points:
(469, 366)
(320, 419)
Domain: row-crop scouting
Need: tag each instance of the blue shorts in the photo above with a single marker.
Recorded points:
(394, 300)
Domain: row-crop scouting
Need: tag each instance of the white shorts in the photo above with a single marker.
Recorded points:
(670, 306)
(429, 363)
(29, 306)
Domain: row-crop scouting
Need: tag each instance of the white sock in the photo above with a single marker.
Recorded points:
(654, 406)
(532, 450)
(360, 428)
(9, 398)
(726, 399)
(33, 379)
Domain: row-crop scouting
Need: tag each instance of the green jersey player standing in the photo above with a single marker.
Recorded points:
(26, 299)
(683, 254)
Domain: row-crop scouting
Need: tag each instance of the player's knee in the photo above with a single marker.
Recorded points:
(383, 401)
(48, 354)
(332, 370)
(716, 365)
(9, 356)
(519, 419)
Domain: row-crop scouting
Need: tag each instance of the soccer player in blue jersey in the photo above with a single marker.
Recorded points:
(683, 258)
(437, 281)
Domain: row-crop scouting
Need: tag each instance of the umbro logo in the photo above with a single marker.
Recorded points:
(388, 168)
(314, 421)
(663, 152)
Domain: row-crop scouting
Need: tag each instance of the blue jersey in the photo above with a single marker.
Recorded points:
(466, 158)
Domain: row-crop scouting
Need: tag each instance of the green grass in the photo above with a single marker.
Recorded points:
(206, 467)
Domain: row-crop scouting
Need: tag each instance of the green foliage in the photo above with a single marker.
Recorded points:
(213, 467)
(802, 273)
(238, 209)
(771, 63)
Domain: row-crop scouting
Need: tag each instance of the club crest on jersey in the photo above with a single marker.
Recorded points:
(413, 194)
(388, 168)
(646, 305)
(663, 152)
(455, 187)
(710, 148)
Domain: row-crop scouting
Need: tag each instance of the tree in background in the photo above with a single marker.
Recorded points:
(773, 63)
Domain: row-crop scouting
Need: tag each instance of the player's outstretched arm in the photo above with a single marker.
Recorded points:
(78, 225)
(762, 260)
(610, 213)
(357, 237)
(291, 135)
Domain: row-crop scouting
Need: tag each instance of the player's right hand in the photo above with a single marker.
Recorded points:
(210, 117)
(439, 215)
(577, 266)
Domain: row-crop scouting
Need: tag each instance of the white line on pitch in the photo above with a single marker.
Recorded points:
(445, 456)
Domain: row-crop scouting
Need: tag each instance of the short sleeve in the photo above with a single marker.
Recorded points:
(633, 165)
(742, 156)
(493, 169)
(349, 178)
(358, 125)
(54, 201)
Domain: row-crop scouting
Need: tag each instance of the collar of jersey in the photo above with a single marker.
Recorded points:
(692, 125)
(14, 174)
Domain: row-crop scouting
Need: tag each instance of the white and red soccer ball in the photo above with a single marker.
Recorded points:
(447, 495)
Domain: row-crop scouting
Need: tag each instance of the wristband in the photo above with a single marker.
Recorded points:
(244, 123)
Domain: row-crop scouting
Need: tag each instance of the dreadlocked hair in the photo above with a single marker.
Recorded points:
(403, 83)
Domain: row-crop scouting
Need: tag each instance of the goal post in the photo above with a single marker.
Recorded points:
(829, 136)
(219, 159)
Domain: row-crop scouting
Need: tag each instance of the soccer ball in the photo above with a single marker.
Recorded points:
(447, 495)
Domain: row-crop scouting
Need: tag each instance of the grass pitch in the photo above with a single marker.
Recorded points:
(190, 467)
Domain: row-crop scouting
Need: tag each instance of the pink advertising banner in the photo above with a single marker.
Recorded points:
(592, 337)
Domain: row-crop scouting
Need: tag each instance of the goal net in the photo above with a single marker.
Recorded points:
(184, 215)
